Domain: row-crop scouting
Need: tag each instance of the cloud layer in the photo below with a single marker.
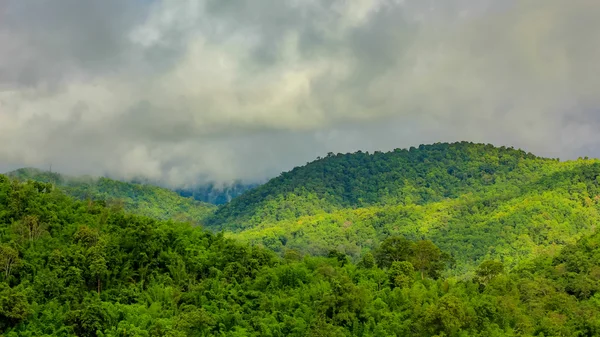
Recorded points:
(191, 90)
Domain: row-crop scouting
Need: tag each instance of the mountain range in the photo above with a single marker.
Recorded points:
(475, 201)
(456, 240)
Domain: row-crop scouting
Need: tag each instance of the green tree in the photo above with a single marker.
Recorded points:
(427, 258)
(400, 274)
(393, 249)
(487, 270)
(14, 307)
(9, 260)
(448, 316)
(367, 261)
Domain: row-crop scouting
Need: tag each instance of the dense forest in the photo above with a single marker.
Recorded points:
(72, 267)
(441, 240)
(510, 223)
(429, 173)
(474, 201)
(143, 199)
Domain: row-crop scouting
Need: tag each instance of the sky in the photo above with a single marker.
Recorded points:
(187, 91)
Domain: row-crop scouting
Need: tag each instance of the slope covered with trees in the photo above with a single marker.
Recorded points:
(474, 201)
(143, 199)
(507, 222)
(70, 267)
(429, 173)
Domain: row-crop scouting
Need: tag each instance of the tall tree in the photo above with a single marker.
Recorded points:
(427, 258)
(393, 249)
(9, 259)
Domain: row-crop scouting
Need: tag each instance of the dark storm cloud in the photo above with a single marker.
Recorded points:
(178, 90)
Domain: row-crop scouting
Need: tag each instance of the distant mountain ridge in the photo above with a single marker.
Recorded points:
(216, 194)
(148, 200)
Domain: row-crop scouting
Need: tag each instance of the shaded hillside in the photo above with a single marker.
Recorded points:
(429, 173)
(148, 200)
(79, 268)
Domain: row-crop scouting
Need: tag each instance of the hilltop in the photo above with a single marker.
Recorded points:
(429, 173)
(475, 201)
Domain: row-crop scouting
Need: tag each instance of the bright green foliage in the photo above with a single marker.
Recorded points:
(93, 270)
(487, 271)
(142, 199)
(416, 176)
(536, 207)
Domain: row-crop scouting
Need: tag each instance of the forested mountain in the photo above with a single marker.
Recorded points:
(79, 268)
(143, 199)
(474, 201)
(507, 222)
(426, 174)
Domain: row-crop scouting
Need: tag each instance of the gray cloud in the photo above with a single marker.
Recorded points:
(218, 90)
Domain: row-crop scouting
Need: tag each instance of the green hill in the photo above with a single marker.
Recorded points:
(510, 223)
(474, 201)
(142, 199)
(79, 268)
(429, 173)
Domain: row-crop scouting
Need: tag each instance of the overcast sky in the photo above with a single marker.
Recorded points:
(185, 90)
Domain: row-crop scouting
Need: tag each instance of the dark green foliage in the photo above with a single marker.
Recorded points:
(80, 268)
(423, 255)
(400, 274)
(13, 306)
(427, 258)
(488, 270)
(367, 261)
(393, 249)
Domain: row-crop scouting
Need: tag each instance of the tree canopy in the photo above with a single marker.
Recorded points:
(71, 267)
(450, 240)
